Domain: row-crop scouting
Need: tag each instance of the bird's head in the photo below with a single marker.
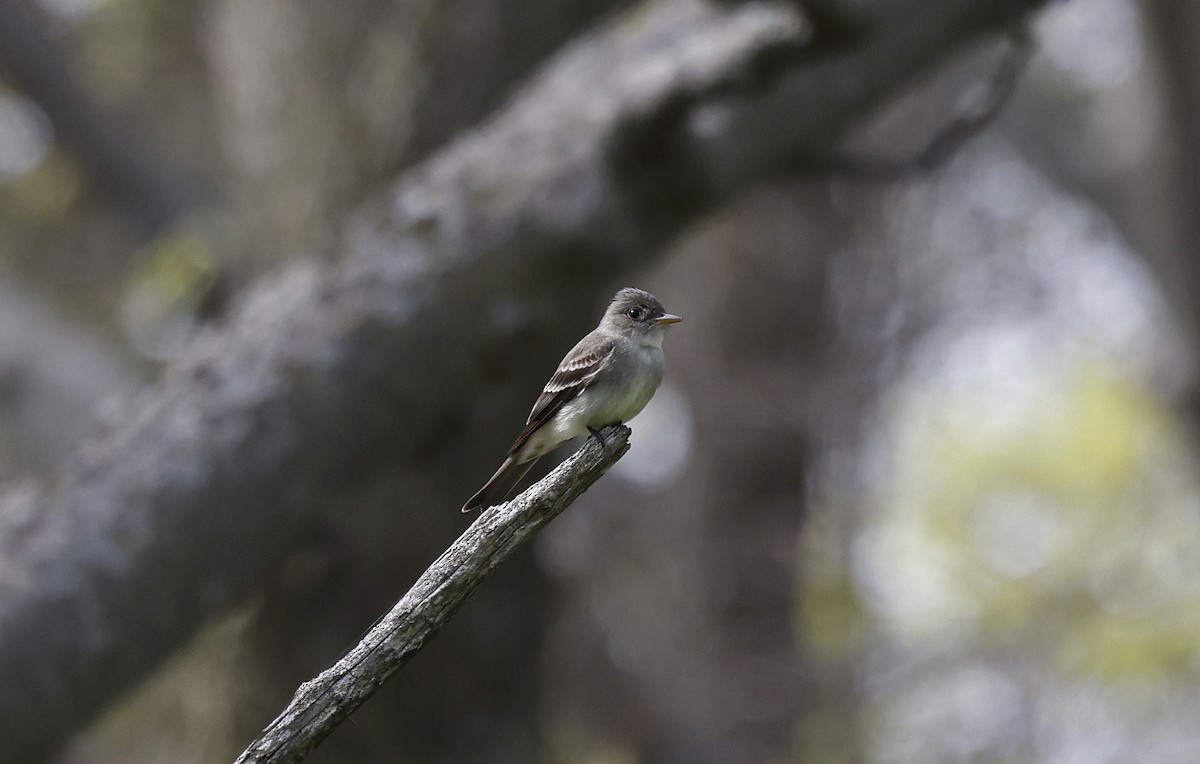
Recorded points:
(637, 313)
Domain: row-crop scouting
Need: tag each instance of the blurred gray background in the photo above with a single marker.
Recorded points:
(921, 485)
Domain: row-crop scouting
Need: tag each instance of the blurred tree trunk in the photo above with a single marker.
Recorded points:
(1175, 25)
(318, 104)
(706, 662)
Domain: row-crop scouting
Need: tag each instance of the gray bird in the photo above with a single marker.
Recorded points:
(607, 378)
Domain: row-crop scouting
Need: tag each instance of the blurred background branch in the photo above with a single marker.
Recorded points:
(1173, 24)
(55, 380)
(950, 138)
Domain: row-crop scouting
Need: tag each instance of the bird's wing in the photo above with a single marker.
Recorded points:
(573, 375)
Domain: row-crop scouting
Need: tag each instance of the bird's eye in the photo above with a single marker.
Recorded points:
(634, 313)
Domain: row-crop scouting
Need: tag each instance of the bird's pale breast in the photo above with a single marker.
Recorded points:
(614, 397)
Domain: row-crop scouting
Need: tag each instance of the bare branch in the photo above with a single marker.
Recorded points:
(942, 146)
(321, 704)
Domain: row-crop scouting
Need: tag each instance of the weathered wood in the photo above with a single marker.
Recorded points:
(321, 704)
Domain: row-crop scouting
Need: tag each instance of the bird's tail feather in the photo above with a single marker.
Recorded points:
(500, 485)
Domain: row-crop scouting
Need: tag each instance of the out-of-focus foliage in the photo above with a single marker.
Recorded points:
(1014, 575)
(171, 280)
(1027, 549)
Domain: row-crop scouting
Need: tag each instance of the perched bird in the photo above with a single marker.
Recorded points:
(607, 378)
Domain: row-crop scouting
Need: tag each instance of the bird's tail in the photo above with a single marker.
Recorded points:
(500, 485)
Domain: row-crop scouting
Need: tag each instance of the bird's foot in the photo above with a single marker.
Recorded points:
(599, 436)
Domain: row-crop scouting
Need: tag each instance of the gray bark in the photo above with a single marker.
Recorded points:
(324, 702)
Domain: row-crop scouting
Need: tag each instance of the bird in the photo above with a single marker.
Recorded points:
(607, 378)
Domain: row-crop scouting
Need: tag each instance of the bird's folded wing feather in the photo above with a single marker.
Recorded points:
(574, 374)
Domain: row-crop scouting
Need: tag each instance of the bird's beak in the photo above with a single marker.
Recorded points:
(668, 318)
